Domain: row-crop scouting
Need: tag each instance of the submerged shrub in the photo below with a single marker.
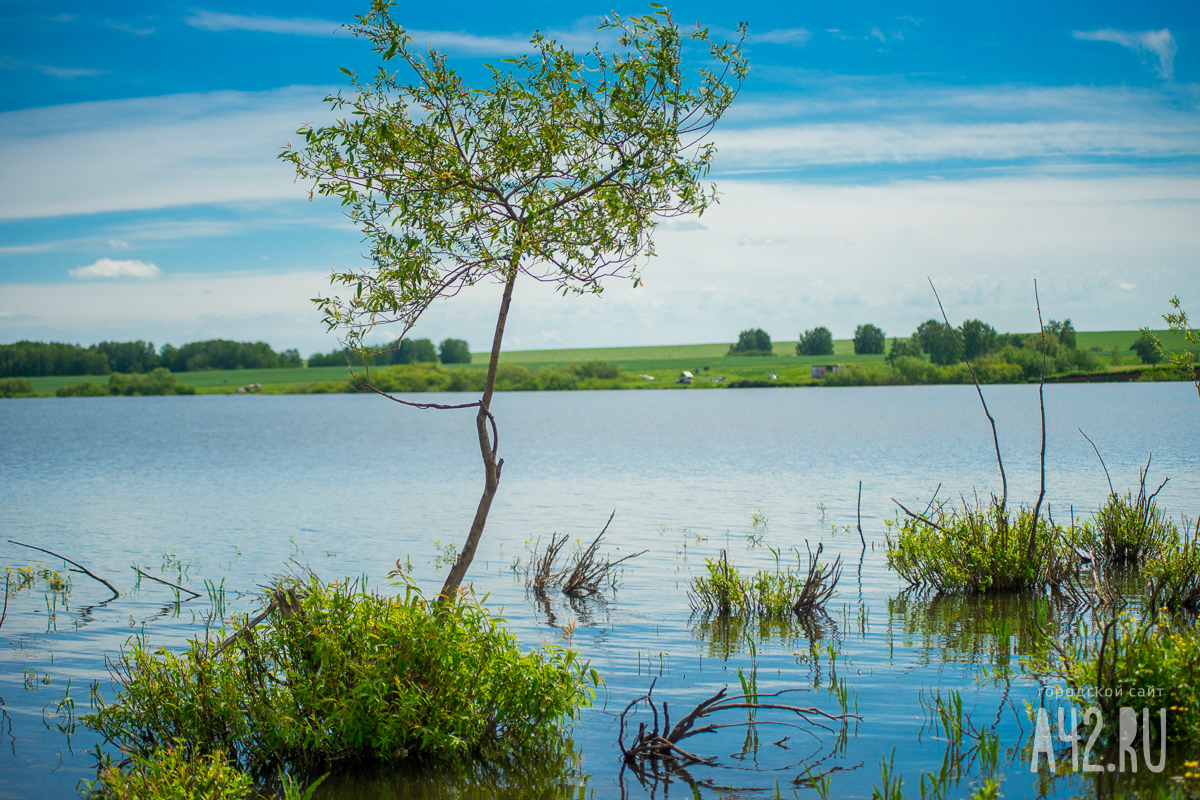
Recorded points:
(1173, 577)
(1129, 530)
(172, 774)
(771, 593)
(336, 673)
(1137, 663)
(979, 550)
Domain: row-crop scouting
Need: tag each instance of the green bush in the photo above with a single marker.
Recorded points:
(1173, 577)
(156, 382)
(338, 674)
(16, 387)
(555, 380)
(1134, 662)
(937, 339)
(515, 378)
(605, 370)
(976, 550)
(172, 774)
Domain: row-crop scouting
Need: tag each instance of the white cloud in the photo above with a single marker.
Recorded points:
(110, 268)
(127, 28)
(793, 36)
(1128, 287)
(298, 26)
(152, 152)
(461, 41)
(840, 256)
(1159, 43)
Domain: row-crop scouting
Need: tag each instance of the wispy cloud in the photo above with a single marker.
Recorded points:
(152, 152)
(459, 41)
(1160, 44)
(296, 26)
(127, 28)
(63, 73)
(109, 268)
(797, 37)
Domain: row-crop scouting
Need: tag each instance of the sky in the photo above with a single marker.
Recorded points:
(876, 146)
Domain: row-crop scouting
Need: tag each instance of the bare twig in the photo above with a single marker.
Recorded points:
(995, 436)
(1108, 477)
(860, 533)
(4, 613)
(1037, 508)
(81, 568)
(920, 517)
(166, 583)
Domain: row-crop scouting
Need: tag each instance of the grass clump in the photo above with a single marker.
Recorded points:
(770, 593)
(976, 550)
(338, 674)
(172, 773)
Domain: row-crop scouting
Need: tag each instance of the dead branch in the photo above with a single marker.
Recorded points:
(81, 568)
(860, 533)
(919, 517)
(587, 573)
(819, 583)
(166, 583)
(4, 613)
(1111, 490)
(287, 601)
(656, 744)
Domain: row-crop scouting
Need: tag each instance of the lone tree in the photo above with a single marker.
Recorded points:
(869, 339)
(752, 342)
(815, 342)
(557, 170)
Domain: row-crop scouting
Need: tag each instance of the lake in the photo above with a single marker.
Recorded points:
(229, 488)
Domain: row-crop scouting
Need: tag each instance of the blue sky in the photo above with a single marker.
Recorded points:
(874, 145)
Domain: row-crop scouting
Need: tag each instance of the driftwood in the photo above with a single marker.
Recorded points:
(166, 583)
(81, 568)
(662, 743)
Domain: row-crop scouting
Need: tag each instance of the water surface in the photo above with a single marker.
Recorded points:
(232, 487)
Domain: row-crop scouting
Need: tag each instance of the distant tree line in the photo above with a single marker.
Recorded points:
(402, 351)
(35, 359)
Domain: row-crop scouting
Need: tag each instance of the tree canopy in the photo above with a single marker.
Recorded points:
(869, 339)
(815, 342)
(752, 342)
(454, 351)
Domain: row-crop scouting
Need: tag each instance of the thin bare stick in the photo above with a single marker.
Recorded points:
(81, 568)
(166, 583)
(1042, 405)
(860, 533)
(971, 369)
(4, 613)
(1111, 490)
(920, 517)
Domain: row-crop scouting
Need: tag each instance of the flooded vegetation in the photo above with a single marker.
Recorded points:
(714, 678)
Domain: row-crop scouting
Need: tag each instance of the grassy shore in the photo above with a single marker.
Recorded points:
(663, 363)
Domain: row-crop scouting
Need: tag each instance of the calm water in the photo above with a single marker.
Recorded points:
(230, 488)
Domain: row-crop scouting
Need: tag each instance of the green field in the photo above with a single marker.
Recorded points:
(663, 363)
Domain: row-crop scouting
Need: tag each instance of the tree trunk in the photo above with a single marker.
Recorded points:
(487, 449)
